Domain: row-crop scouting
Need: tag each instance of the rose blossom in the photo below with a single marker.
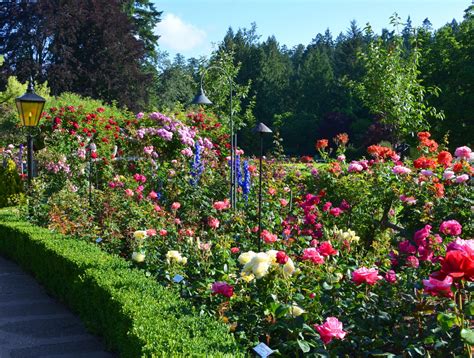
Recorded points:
(406, 247)
(451, 227)
(175, 206)
(365, 275)
(463, 152)
(355, 168)
(221, 205)
(313, 255)
(458, 264)
(234, 250)
(213, 222)
(129, 192)
(462, 245)
(282, 257)
(400, 169)
(268, 237)
(283, 202)
(448, 174)
(436, 287)
(330, 329)
(391, 276)
(222, 288)
(326, 249)
(152, 195)
(412, 261)
(462, 178)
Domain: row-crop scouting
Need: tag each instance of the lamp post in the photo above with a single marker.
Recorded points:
(202, 99)
(30, 106)
(261, 129)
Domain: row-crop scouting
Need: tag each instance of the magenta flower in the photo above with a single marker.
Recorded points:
(391, 276)
(330, 330)
(462, 178)
(401, 170)
(222, 288)
(450, 227)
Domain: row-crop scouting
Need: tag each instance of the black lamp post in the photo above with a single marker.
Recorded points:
(201, 98)
(261, 129)
(30, 106)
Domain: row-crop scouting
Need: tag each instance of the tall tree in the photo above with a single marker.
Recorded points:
(90, 47)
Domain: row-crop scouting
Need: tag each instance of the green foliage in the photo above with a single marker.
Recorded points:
(11, 187)
(136, 316)
(391, 87)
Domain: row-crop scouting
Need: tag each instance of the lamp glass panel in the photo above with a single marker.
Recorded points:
(30, 112)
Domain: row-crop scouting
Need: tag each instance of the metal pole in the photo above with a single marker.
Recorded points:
(90, 180)
(30, 158)
(259, 239)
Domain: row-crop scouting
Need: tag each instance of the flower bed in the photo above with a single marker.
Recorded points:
(373, 256)
(136, 316)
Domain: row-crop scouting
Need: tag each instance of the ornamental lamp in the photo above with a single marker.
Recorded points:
(30, 106)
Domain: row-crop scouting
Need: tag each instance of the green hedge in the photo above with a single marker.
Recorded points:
(136, 316)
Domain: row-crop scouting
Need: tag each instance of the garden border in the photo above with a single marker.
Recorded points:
(135, 314)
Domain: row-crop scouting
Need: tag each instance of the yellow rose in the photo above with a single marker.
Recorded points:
(261, 269)
(138, 257)
(247, 277)
(288, 268)
(261, 257)
(245, 257)
(296, 311)
(272, 255)
(140, 235)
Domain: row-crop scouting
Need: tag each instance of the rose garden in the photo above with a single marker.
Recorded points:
(169, 234)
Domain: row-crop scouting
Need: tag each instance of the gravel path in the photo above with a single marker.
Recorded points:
(32, 324)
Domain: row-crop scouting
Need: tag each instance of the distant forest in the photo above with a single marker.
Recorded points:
(303, 93)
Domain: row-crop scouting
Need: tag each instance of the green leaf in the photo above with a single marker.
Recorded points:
(468, 335)
(447, 320)
(304, 346)
(470, 308)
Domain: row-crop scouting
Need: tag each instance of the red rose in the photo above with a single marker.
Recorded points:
(458, 264)
(326, 249)
(282, 257)
(222, 288)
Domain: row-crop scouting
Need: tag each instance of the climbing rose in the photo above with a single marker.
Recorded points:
(268, 237)
(330, 329)
(365, 275)
(222, 205)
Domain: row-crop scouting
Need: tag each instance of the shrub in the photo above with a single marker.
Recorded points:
(11, 188)
(136, 315)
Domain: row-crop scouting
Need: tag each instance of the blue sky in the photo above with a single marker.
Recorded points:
(191, 27)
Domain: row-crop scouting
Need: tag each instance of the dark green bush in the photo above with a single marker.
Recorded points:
(136, 316)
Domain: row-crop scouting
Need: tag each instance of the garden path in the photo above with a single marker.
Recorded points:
(32, 324)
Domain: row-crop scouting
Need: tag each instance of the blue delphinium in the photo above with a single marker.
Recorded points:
(237, 172)
(245, 182)
(197, 167)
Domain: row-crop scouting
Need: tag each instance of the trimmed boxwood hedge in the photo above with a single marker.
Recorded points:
(136, 315)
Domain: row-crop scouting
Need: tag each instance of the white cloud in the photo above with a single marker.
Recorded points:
(179, 35)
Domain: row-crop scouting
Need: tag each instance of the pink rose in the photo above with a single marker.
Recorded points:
(151, 232)
(221, 205)
(436, 287)
(336, 212)
(412, 261)
(213, 222)
(222, 288)
(148, 150)
(422, 234)
(234, 250)
(462, 245)
(406, 247)
(163, 232)
(156, 208)
(391, 276)
(272, 191)
(355, 168)
(401, 170)
(448, 174)
(175, 206)
(268, 237)
(313, 255)
(283, 202)
(463, 152)
(129, 192)
(330, 329)
(152, 195)
(462, 178)
(327, 206)
(450, 227)
(365, 275)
